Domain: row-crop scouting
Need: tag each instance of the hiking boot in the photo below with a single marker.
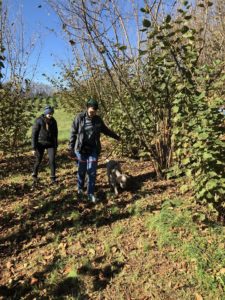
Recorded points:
(92, 198)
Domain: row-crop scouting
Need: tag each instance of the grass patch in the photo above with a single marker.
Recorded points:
(135, 209)
(203, 250)
(64, 121)
(118, 230)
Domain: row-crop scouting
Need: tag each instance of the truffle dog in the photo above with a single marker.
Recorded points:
(115, 176)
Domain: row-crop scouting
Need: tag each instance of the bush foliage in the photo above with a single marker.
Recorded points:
(170, 108)
(164, 101)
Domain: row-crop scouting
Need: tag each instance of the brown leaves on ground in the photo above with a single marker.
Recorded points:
(52, 245)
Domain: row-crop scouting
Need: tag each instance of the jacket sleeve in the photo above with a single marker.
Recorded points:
(73, 133)
(35, 132)
(105, 130)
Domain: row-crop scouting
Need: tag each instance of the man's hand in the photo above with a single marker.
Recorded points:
(33, 152)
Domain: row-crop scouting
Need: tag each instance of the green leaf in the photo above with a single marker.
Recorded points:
(188, 35)
(146, 23)
(122, 48)
(72, 273)
(198, 145)
(184, 29)
(145, 10)
(168, 18)
(188, 172)
(201, 193)
(176, 109)
(142, 52)
(209, 195)
(211, 184)
(207, 155)
(185, 161)
(160, 37)
(180, 87)
(184, 188)
(188, 17)
(203, 136)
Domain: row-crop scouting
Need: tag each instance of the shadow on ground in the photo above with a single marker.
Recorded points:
(33, 287)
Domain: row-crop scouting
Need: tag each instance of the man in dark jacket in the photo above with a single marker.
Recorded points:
(45, 136)
(85, 143)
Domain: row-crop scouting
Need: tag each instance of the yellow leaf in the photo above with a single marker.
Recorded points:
(198, 297)
(91, 251)
(9, 264)
(222, 271)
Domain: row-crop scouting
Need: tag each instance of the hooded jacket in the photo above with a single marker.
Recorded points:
(77, 132)
(45, 133)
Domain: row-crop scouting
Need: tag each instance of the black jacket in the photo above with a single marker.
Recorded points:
(40, 134)
(77, 132)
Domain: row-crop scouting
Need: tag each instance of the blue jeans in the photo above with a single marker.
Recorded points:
(87, 163)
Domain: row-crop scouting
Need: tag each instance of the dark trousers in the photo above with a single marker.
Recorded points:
(38, 159)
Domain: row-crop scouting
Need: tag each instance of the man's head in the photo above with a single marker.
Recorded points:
(48, 111)
(92, 106)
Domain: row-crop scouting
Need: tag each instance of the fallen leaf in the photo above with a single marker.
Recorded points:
(9, 264)
(198, 297)
(49, 257)
(33, 280)
(222, 271)
(91, 251)
(114, 249)
(62, 246)
(67, 269)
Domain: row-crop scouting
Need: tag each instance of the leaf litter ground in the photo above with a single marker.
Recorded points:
(56, 247)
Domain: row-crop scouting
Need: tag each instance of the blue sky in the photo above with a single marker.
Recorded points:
(40, 19)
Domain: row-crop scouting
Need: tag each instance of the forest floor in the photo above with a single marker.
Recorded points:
(150, 242)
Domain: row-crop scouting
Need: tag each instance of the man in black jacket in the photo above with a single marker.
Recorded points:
(45, 136)
(85, 143)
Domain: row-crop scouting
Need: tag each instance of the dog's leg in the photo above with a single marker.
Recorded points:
(114, 186)
(116, 190)
(110, 180)
(114, 183)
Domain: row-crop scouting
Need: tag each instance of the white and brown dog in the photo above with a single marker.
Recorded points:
(115, 175)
